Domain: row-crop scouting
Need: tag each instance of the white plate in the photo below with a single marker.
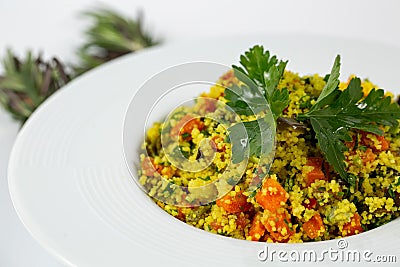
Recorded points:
(72, 191)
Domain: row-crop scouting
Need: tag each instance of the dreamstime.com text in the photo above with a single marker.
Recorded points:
(339, 254)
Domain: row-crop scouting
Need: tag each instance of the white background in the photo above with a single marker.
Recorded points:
(55, 28)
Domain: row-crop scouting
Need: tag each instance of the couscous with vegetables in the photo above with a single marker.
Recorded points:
(313, 190)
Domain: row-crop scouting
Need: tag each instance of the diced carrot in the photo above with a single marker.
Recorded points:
(208, 105)
(316, 173)
(351, 144)
(314, 227)
(228, 77)
(234, 204)
(353, 227)
(279, 226)
(271, 195)
(181, 216)
(178, 126)
(149, 167)
(185, 127)
(368, 156)
(384, 144)
(215, 226)
(218, 139)
(257, 229)
(315, 162)
(167, 170)
(241, 221)
(312, 204)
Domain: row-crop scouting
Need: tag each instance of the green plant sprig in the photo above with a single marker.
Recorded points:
(335, 113)
(111, 35)
(26, 83)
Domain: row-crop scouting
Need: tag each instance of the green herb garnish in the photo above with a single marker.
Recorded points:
(111, 35)
(336, 112)
(27, 83)
(362, 148)
(252, 194)
(259, 75)
(391, 192)
(186, 135)
(333, 116)
(250, 133)
(265, 72)
(207, 178)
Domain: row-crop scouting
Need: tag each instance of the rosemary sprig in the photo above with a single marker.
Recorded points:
(26, 83)
(111, 35)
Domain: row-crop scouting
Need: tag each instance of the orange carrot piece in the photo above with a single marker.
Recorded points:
(365, 140)
(271, 195)
(278, 224)
(149, 167)
(368, 156)
(234, 204)
(208, 105)
(186, 126)
(257, 229)
(312, 204)
(354, 226)
(314, 227)
(241, 221)
(315, 162)
(384, 143)
(316, 173)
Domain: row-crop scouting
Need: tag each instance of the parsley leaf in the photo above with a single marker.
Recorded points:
(331, 144)
(259, 76)
(274, 75)
(257, 134)
(332, 117)
(256, 63)
(259, 69)
(246, 98)
(331, 84)
(280, 100)
(339, 111)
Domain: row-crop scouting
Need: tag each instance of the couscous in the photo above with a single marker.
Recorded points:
(299, 197)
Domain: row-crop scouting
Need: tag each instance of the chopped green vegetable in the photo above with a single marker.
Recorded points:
(362, 148)
(207, 178)
(186, 135)
(252, 194)
(391, 192)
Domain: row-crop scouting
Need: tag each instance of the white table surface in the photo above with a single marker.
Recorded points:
(55, 28)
